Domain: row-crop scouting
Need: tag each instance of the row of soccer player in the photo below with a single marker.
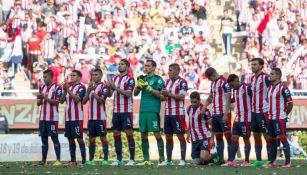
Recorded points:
(259, 107)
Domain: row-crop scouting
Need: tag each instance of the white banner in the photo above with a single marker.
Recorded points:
(27, 147)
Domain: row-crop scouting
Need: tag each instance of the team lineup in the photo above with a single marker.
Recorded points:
(261, 107)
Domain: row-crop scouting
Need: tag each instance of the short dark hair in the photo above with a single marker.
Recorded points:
(232, 77)
(277, 70)
(175, 66)
(195, 95)
(152, 62)
(126, 62)
(260, 61)
(97, 70)
(209, 72)
(79, 74)
(48, 72)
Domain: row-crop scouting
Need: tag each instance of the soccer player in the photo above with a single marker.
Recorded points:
(74, 93)
(220, 96)
(280, 105)
(174, 120)
(96, 94)
(48, 98)
(151, 86)
(122, 86)
(241, 126)
(259, 84)
(199, 131)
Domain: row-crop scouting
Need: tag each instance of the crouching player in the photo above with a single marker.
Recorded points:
(280, 105)
(241, 126)
(199, 131)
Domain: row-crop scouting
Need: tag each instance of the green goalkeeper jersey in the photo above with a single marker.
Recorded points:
(149, 102)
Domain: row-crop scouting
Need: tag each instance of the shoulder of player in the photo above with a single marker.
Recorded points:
(182, 80)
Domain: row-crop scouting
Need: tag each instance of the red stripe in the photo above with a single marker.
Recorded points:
(118, 95)
(126, 98)
(76, 107)
(193, 123)
(213, 96)
(200, 126)
(81, 127)
(51, 107)
(91, 117)
(220, 94)
(182, 122)
(278, 111)
(282, 126)
(45, 105)
(261, 93)
(56, 126)
(99, 104)
(245, 109)
(263, 24)
(271, 101)
(169, 99)
(177, 102)
(69, 107)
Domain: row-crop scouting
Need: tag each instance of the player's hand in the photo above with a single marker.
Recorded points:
(90, 86)
(140, 84)
(165, 92)
(149, 88)
(112, 84)
(45, 97)
(188, 139)
(203, 111)
(65, 86)
(40, 95)
(141, 77)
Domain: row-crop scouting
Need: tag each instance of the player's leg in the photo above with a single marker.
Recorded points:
(168, 130)
(53, 132)
(69, 127)
(127, 125)
(218, 132)
(160, 144)
(92, 141)
(44, 137)
(263, 126)
(144, 135)
(116, 126)
(247, 144)
(153, 123)
(282, 137)
(271, 138)
(78, 134)
(179, 128)
(257, 138)
(236, 131)
(227, 134)
(102, 132)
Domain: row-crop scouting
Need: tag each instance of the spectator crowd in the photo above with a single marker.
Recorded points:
(66, 34)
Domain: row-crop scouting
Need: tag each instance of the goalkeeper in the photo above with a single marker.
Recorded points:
(149, 119)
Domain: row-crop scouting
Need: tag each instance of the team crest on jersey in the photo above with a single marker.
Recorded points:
(59, 92)
(287, 91)
(184, 84)
(159, 81)
(81, 90)
(151, 83)
(131, 81)
(104, 90)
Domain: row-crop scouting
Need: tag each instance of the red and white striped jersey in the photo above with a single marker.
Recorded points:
(97, 111)
(48, 47)
(243, 103)
(26, 35)
(17, 19)
(25, 5)
(199, 125)
(90, 9)
(74, 110)
(50, 112)
(73, 12)
(66, 28)
(219, 88)
(260, 86)
(279, 97)
(122, 103)
(175, 86)
(50, 26)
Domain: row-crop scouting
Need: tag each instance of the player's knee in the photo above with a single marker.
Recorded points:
(197, 161)
(144, 136)
(234, 138)
(92, 141)
(116, 134)
(219, 136)
(80, 141)
(205, 156)
(157, 135)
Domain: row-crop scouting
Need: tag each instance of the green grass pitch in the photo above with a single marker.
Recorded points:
(12, 168)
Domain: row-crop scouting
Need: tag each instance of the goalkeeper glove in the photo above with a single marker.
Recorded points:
(149, 88)
(140, 83)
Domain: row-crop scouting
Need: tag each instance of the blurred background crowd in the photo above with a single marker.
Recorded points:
(82, 34)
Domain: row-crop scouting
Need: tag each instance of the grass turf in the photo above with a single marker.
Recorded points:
(12, 168)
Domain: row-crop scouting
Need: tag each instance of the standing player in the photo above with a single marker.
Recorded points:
(149, 120)
(280, 105)
(220, 96)
(122, 85)
(96, 94)
(199, 131)
(48, 97)
(73, 95)
(259, 84)
(174, 120)
(241, 126)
